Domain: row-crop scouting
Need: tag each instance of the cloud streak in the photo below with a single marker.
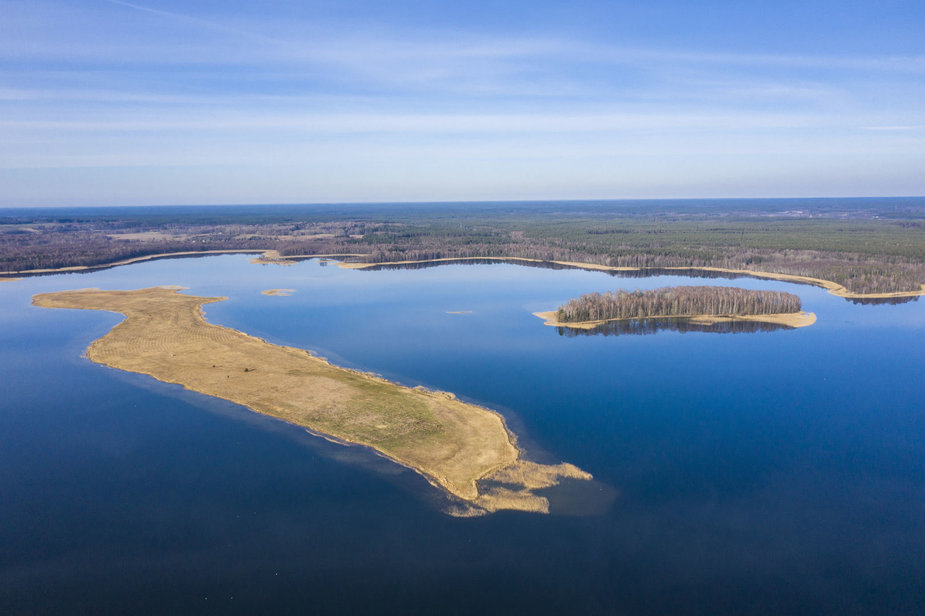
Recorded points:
(433, 123)
(189, 19)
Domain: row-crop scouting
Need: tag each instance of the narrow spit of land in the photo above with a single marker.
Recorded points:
(461, 448)
(701, 305)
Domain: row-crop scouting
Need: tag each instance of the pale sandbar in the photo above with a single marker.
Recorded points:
(278, 292)
(786, 319)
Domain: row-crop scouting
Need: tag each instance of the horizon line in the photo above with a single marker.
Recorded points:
(463, 202)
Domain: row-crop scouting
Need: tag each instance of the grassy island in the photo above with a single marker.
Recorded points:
(464, 449)
(701, 304)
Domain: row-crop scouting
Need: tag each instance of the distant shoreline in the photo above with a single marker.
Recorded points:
(266, 256)
(788, 319)
(832, 287)
(273, 257)
(163, 255)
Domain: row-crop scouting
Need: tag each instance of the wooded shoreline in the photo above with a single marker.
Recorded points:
(832, 287)
(868, 246)
(274, 257)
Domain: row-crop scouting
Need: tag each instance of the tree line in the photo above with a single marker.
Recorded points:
(676, 301)
(868, 252)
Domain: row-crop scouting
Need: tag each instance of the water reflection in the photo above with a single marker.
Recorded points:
(643, 272)
(883, 300)
(642, 327)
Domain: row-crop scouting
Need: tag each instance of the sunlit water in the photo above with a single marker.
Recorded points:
(760, 472)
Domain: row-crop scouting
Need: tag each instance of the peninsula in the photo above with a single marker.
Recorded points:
(702, 305)
(461, 448)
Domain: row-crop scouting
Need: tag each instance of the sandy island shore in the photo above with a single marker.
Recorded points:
(461, 448)
(790, 319)
(831, 287)
(278, 292)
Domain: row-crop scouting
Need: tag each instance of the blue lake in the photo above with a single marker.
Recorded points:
(773, 472)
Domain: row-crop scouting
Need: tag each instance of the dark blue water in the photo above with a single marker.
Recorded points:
(755, 473)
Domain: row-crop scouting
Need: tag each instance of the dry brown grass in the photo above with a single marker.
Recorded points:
(452, 444)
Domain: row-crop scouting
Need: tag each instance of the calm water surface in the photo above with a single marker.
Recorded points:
(756, 473)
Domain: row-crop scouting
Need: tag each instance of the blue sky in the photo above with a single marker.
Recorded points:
(111, 102)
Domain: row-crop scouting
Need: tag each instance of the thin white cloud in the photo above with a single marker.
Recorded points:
(183, 17)
(911, 63)
(405, 54)
(431, 123)
(896, 128)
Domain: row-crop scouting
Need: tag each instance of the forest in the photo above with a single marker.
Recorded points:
(867, 245)
(676, 301)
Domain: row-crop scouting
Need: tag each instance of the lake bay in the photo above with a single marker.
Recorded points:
(762, 472)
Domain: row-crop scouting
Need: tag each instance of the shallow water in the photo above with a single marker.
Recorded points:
(760, 472)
